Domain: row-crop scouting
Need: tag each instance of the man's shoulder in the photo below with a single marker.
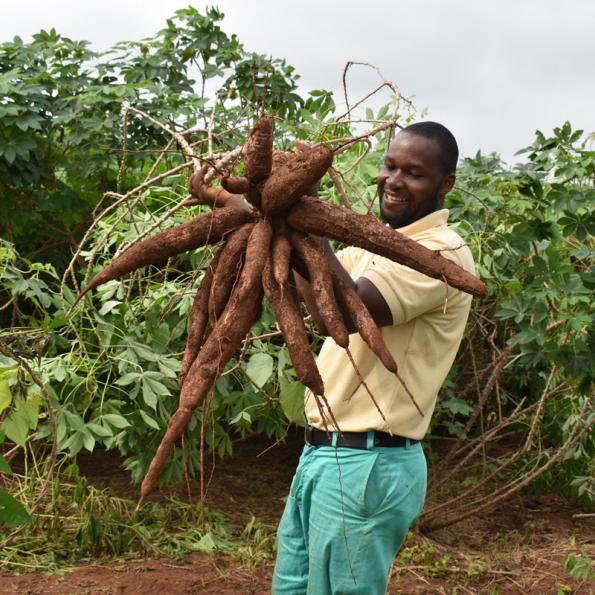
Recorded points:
(446, 240)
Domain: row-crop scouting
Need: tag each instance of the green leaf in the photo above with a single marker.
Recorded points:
(16, 428)
(74, 443)
(292, 402)
(260, 368)
(149, 420)
(144, 352)
(4, 466)
(242, 416)
(113, 419)
(59, 371)
(12, 512)
(128, 378)
(456, 405)
(88, 440)
(206, 543)
(149, 397)
(30, 410)
(5, 395)
(108, 307)
(156, 386)
(100, 431)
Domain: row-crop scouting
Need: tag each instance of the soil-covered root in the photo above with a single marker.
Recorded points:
(223, 341)
(281, 252)
(315, 216)
(258, 151)
(199, 319)
(293, 178)
(209, 228)
(355, 310)
(177, 424)
(242, 310)
(322, 286)
(228, 270)
(257, 253)
(235, 185)
(286, 309)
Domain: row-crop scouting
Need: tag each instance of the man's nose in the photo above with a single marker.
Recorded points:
(395, 179)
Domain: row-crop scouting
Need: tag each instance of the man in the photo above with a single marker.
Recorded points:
(356, 493)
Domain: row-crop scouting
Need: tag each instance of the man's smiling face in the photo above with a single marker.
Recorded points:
(412, 182)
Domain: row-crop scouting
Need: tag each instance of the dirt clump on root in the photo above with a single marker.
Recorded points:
(293, 178)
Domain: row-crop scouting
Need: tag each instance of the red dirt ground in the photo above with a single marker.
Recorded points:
(521, 547)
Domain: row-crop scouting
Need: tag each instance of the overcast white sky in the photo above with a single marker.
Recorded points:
(493, 72)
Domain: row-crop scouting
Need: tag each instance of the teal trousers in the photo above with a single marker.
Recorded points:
(347, 514)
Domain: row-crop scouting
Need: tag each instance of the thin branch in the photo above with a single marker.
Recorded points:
(179, 138)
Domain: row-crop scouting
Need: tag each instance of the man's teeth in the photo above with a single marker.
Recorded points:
(394, 198)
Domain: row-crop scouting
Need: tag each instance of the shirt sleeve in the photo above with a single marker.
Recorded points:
(408, 293)
(347, 258)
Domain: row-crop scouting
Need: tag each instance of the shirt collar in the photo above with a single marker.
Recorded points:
(436, 219)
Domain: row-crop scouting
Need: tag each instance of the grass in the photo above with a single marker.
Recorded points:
(78, 522)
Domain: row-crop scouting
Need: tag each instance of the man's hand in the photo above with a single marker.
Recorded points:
(365, 289)
(215, 197)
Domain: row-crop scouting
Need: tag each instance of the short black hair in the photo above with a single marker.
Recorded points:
(445, 139)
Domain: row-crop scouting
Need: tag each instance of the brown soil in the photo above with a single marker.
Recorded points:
(519, 549)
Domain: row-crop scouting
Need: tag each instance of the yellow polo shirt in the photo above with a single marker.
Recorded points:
(428, 323)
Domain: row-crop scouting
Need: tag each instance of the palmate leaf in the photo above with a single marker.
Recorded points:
(12, 512)
(292, 402)
(4, 466)
(260, 368)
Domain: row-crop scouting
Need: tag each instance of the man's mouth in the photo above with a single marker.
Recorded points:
(392, 199)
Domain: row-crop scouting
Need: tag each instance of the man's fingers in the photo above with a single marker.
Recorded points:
(196, 181)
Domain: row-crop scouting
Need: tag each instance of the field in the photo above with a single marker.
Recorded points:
(519, 549)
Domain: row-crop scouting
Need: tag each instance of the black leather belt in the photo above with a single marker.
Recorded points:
(316, 437)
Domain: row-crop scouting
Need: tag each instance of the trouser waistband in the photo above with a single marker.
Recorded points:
(316, 437)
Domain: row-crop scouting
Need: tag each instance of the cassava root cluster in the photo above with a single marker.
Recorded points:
(259, 245)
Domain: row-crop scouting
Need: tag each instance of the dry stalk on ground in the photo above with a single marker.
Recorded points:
(449, 499)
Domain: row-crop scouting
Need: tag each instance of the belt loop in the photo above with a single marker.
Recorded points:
(370, 440)
(334, 437)
(407, 443)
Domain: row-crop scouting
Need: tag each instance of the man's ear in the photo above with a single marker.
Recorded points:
(446, 185)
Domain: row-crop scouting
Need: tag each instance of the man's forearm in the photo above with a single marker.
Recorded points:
(305, 289)
(334, 264)
(366, 291)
